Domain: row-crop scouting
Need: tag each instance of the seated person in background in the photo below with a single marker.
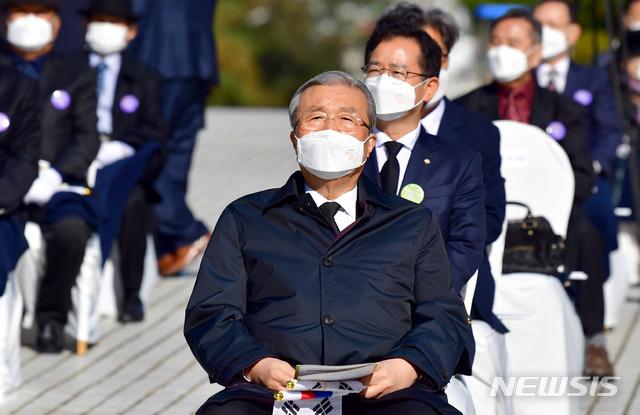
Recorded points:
(590, 87)
(454, 123)
(327, 270)
(19, 153)
(515, 38)
(69, 145)
(129, 117)
(401, 60)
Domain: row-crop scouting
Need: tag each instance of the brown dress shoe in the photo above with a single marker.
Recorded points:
(174, 261)
(597, 362)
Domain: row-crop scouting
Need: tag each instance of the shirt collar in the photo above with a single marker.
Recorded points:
(111, 60)
(347, 201)
(409, 140)
(561, 69)
(431, 121)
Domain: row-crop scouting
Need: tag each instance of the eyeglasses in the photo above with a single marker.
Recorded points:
(317, 121)
(397, 74)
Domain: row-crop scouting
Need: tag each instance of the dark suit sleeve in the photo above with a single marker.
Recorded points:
(607, 132)
(440, 321)
(214, 326)
(21, 169)
(467, 234)
(75, 158)
(495, 200)
(575, 144)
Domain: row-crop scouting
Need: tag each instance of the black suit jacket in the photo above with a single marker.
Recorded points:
(20, 143)
(547, 107)
(69, 133)
(145, 123)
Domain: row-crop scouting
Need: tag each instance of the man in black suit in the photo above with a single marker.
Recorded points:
(515, 95)
(69, 145)
(129, 118)
(19, 152)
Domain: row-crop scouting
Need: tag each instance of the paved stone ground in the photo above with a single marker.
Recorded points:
(147, 368)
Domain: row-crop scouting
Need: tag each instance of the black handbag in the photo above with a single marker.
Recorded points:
(532, 246)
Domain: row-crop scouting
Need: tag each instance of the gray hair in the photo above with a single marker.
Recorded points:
(333, 78)
(444, 23)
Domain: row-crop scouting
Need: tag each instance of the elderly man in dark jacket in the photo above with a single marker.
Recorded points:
(327, 270)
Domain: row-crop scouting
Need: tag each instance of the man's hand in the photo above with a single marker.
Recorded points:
(271, 373)
(391, 375)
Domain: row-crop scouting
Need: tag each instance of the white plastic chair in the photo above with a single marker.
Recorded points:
(10, 318)
(545, 335)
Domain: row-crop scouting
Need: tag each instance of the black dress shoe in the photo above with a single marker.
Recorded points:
(133, 311)
(50, 338)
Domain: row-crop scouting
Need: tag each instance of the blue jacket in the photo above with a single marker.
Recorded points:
(176, 38)
(591, 87)
(277, 281)
(464, 127)
(454, 192)
(461, 126)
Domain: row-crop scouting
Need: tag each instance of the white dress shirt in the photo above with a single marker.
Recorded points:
(408, 141)
(562, 71)
(113, 64)
(431, 121)
(347, 213)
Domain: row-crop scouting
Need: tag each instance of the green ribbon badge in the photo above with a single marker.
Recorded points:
(412, 192)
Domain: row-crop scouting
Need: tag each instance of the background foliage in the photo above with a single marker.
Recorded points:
(268, 48)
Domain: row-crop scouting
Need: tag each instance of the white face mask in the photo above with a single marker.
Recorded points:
(392, 101)
(633, 25)
(30, 33)
(442, 88)
(507, 64)
(330, 154)
(106, 38)
(554, 42)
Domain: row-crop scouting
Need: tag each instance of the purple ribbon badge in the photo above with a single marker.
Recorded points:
(582, 96)
(129, 104)
(557, 130)
(5, 122)
(60, 99)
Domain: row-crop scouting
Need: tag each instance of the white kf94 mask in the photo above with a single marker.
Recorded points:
(330, 154)
(392, 100)
(106, 38)
(554, 42)
(30, 33)
(507, 64)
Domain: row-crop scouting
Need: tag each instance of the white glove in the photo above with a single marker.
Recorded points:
(44, 187)
(112, 151)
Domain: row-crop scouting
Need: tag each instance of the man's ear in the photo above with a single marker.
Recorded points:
(536, 56)
(371, 145)
(431, 87)
(56, 26)
(294, 142)
(574, 33)
(133, 32)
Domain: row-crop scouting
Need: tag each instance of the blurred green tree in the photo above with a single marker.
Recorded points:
(268, 48)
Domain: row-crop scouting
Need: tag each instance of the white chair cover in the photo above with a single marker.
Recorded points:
(615, 288)
(459, 397)
(545, 335)
(83, 318)
(111, 289)
(490, 362)
(10, 318)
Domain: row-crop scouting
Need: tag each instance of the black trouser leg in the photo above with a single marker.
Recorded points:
(586, 253)
(66, 241)
(132, 240)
